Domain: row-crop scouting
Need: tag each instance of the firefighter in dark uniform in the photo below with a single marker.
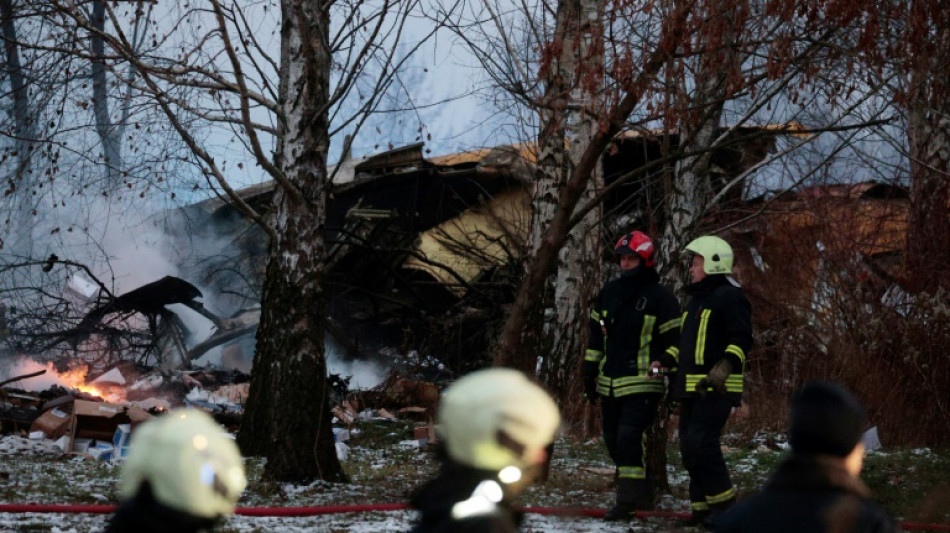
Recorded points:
(715, 338)
(633, 321)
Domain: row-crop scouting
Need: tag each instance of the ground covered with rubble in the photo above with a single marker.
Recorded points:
(386, 462)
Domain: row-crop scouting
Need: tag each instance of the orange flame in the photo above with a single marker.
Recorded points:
(76, 379)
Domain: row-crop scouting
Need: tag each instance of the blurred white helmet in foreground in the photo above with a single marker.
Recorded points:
(495, 418)
(189, 461)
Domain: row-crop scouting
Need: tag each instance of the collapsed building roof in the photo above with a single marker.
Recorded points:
(793, 249)
(409, 235)
(457, 194)
(869, 218)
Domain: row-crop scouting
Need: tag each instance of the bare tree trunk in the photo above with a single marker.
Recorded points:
(578, 272)
(290, 373)
(927, 254)
(554, 169)
(21, 218)
(513, 348)
(111, 144)
(691, 185)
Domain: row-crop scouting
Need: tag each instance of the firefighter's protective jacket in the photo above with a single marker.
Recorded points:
(716, 324)
(633, 321)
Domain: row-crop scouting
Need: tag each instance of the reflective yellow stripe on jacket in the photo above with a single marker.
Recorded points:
(733, 382)
(701, 337)
(628, 385)
(646, 335)
(736, 351)
(625, 385)
(593, 355)
(670, 324)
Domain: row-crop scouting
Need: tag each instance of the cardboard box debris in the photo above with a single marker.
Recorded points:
(101, 450)
(121, 437)
(79, 290)
(342, 451)
(345, 412)
(424, 432)
(341, 435)
(235, 393)
(420, 432)
(80, 446)
(53, 423)
(99, 420)
(62, 444)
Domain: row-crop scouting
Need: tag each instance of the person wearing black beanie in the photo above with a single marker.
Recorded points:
(816, 488)
(825, 420)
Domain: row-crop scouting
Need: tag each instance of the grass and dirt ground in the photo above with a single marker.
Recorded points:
(385, 466)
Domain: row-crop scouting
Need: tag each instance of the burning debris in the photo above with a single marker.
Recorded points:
(93, 413)
(127, 354)
(76, 406)
(124, 358)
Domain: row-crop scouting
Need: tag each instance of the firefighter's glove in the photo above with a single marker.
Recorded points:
(716, 379)
(589, 371)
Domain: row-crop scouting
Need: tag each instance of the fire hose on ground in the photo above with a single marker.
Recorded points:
(339, 509)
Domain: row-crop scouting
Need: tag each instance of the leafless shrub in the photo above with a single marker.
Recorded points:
(43, 317)
(830, 305)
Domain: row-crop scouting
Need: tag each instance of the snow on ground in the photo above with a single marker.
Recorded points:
(33, 471)
(356, 523)
(13, 445)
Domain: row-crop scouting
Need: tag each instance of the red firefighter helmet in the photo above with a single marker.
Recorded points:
(636, 243)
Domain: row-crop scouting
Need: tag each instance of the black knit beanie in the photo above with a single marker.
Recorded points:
(826, 420)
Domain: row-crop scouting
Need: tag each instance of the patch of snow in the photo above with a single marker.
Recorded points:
(17, 445)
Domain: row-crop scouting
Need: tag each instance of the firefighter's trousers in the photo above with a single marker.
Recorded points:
(700, 429)
(626, 420)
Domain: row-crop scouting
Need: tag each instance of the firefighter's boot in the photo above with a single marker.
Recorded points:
(621, 511)
(716, 511)
(695, 519)
(632, 495)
